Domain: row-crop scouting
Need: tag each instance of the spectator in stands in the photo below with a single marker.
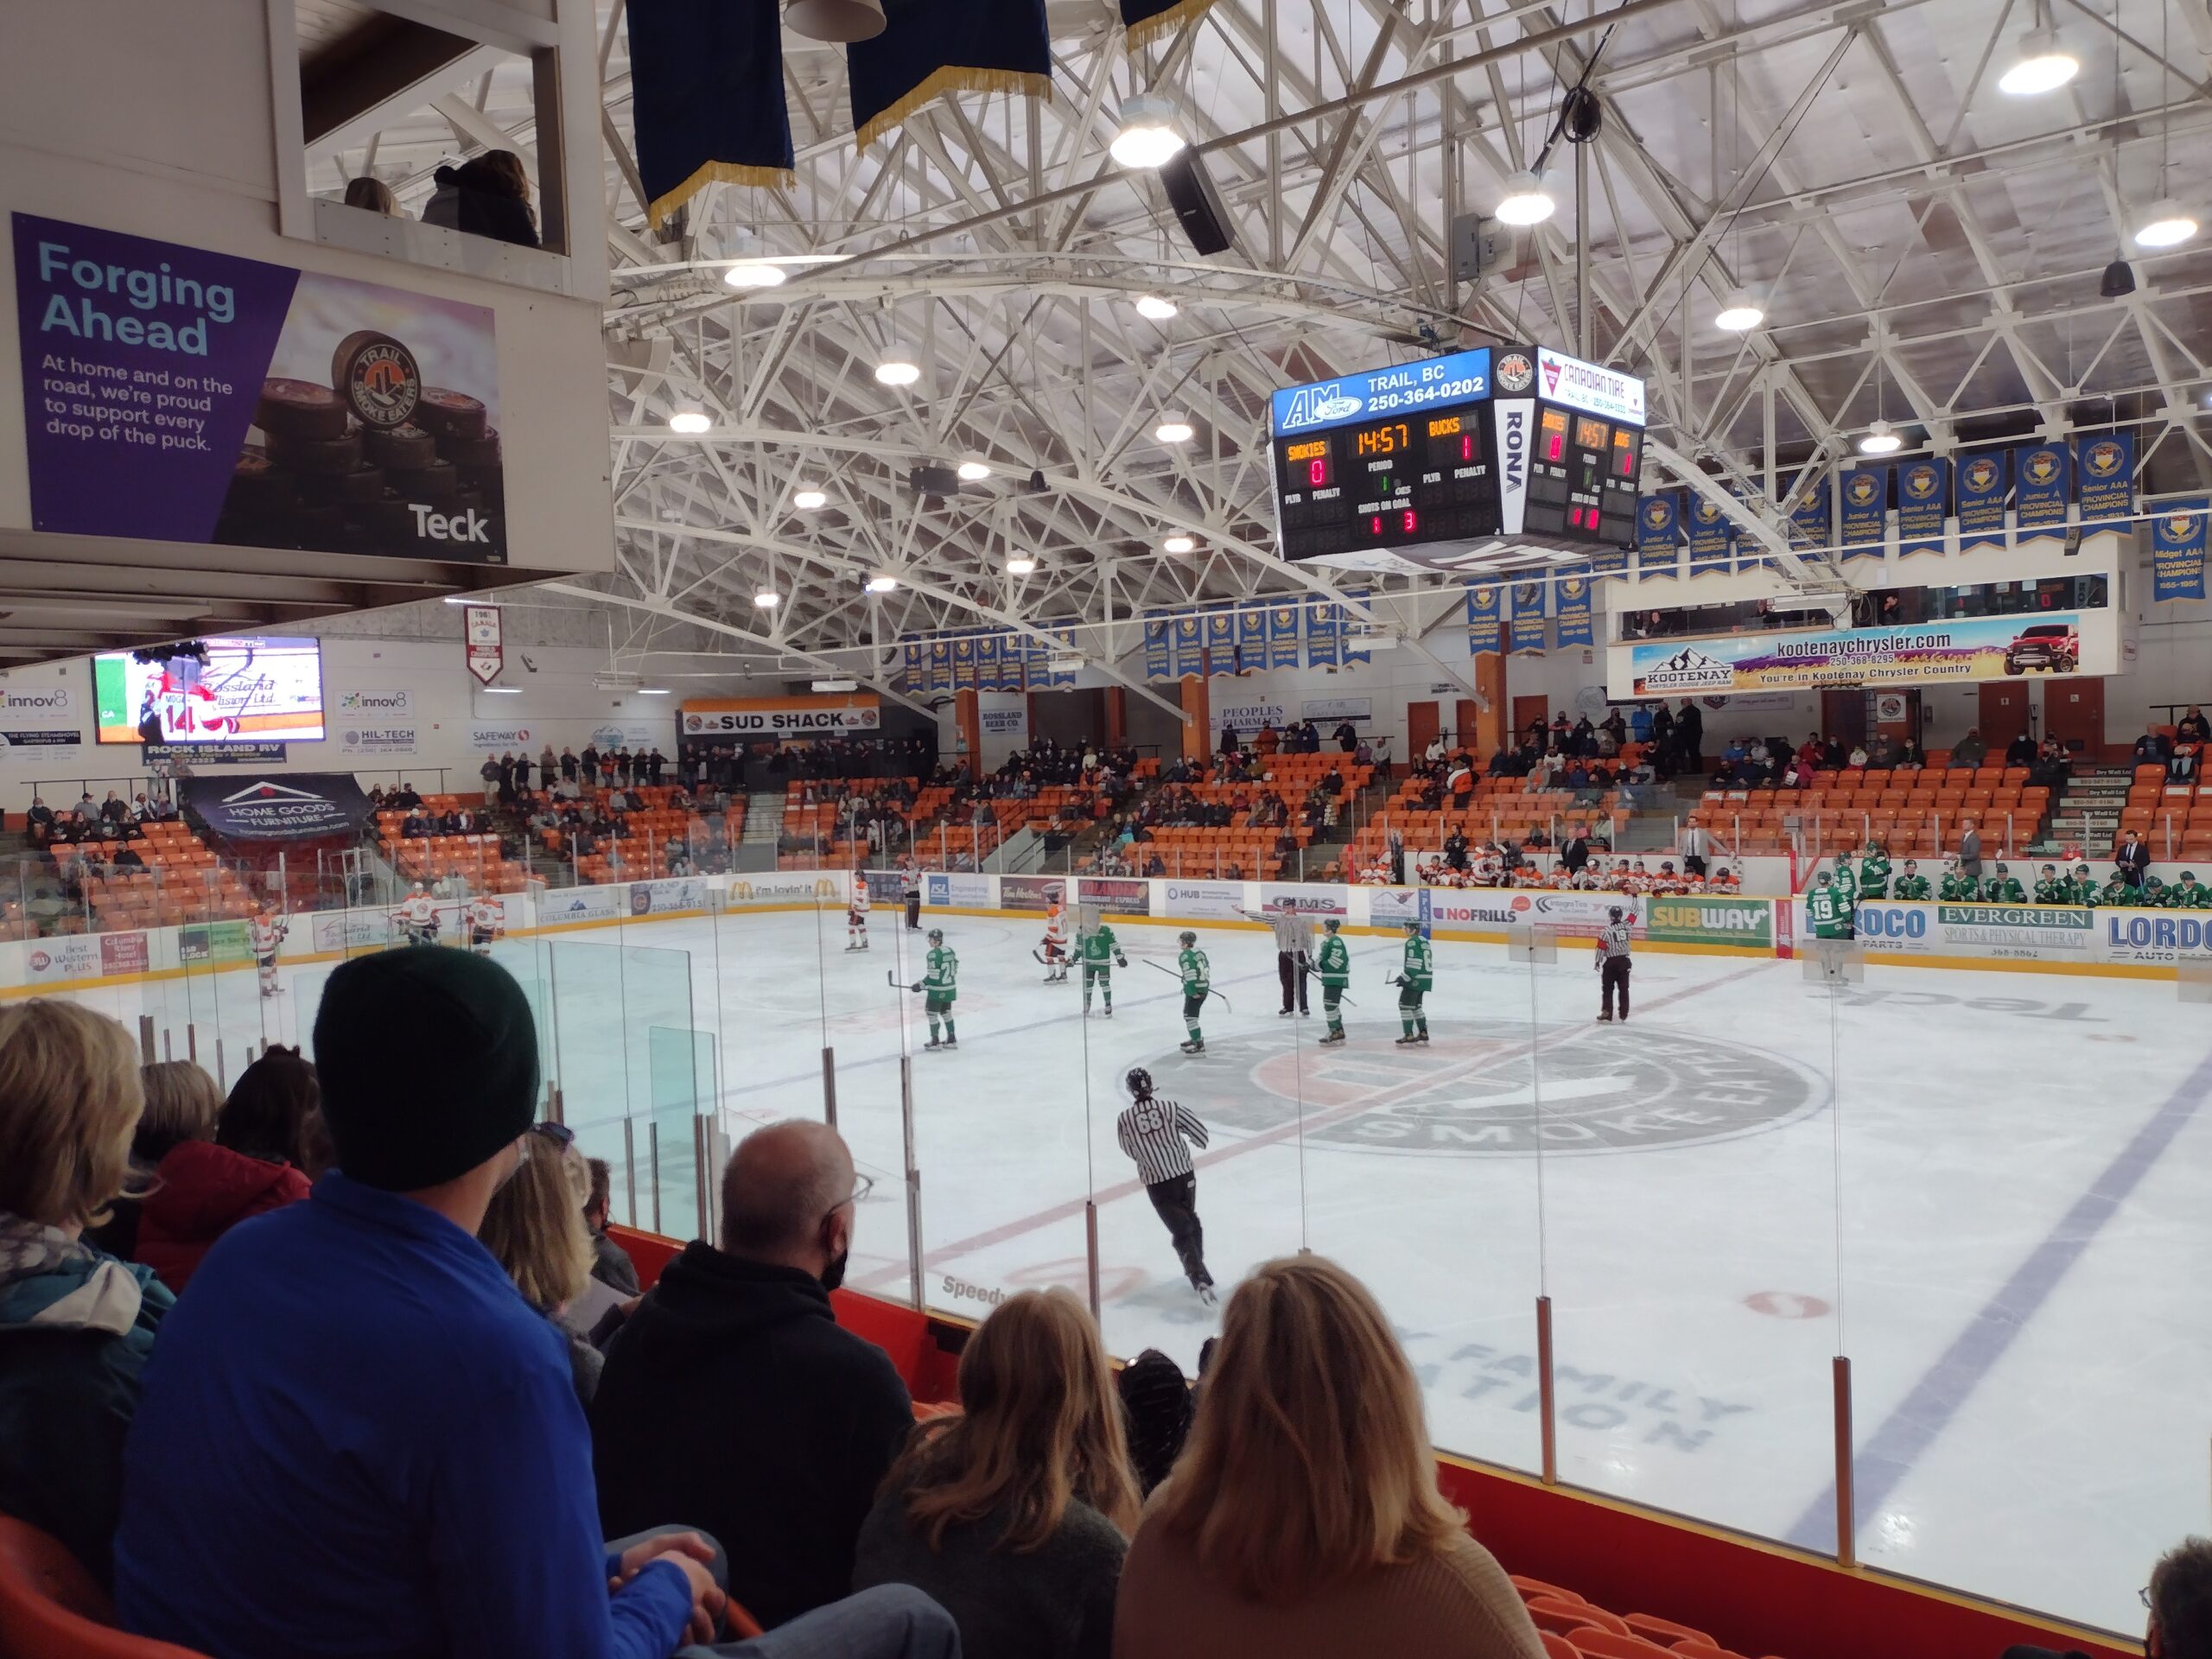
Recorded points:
(127, 858)
(1156, 1403)
(489, 771)
(2180, 1599)
(2192, 728)
(2051, 768)
(611, 1264)
(275, 1113)
(202, 1188)
(522, 773)
(494, 198)
(407, 800)
(76, 1325)
(733, 1399)
(1833, 754)
(372, 195)
(568, 764)
(2021, 751)
(1015, 1514)
(1857, 757)
(176, 1110)
(87, 812)
(1294, 1527)
(115, 809)
(39, 822)
(1910, 755)
(1575, 852)
(1970, 750)
(534, 1227)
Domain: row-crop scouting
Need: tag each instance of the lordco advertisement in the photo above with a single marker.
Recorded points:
(1965, 648)
(174, 394)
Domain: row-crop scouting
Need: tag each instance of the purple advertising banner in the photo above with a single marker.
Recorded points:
(174, 394)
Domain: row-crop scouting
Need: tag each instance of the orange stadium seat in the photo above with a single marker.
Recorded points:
(50, 1608)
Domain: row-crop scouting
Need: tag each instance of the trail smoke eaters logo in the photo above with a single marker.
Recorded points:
(1472, 1092)
(1515, 372)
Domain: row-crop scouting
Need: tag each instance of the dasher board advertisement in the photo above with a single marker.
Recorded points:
(264, 689)
(174, 394)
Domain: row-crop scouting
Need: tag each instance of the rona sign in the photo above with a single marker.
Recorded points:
(856, 715)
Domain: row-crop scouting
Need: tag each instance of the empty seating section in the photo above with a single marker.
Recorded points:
(1914, 812)
(181, 882)
(1241, 849)
(1575, 1628)
(2174, 820)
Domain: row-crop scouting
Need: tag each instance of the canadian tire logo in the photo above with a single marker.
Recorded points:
(1688, 669)
(1471, 1093)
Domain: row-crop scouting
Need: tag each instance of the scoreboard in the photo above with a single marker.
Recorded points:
(1409, 467)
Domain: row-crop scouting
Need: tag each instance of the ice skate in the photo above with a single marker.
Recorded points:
(1193, 1047)
(1205, 1289)
(1605, 1018)
(932, 1043)
(1330, 1040)
(1406, 1041)
(949, 1043)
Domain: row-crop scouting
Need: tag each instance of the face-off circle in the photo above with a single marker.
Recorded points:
(1472, 1091)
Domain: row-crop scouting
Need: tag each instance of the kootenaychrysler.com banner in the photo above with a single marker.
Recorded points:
(1963, 648)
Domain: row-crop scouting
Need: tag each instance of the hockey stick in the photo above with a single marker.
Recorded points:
(1173, 975)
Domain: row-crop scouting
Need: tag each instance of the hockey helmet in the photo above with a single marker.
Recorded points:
(2151, 884)
(1613, 913)
(1139, 1081)
(2050, 870)
(1411, 924)
(1187, 938)
(2081, 870)
(2189, 877)
(1666, 867)
(1823, 878)
(1331, 923)
(2001, 869)
(937, 936)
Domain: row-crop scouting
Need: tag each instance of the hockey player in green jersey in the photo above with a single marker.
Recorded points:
(1958, 887)
(1846, 876)
(1829, 907)
(940, 983)
(1101, 951)
(2188, 893)
(2052, 888)
(1911, 884)
(2117, 892)
(2004, 888)
(1333, 966)
(1191, 963)
(2154, 894)
(1416, 979)
(1873, 872)
(2085, 887)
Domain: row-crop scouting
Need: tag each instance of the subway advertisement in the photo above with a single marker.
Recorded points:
(1967, 648)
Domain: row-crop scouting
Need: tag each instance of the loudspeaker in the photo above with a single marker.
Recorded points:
(1197, 203)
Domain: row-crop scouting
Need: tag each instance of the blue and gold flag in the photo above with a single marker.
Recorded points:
(1352, 654)
(1923, 500)
(930, 47)
(1156, 630)
(706, 97)
(1658, 535)
(1866, 511)
(1282, 635)
(2043, 477)
(2177, 548)
(1528, 618)
(1251, 638)
(1322, 623)
(1572, 611)
(2105, 476)
(1981, 485)
(1146, 20)
(1485, 624)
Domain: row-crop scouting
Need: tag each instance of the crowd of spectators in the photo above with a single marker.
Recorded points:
(487, 195)
(112, 819)
(2180, 751)
(702, 762)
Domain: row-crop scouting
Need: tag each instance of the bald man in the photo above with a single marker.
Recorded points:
(733, 1399)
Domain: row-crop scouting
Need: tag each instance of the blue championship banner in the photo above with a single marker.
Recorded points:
(1065, 637)
(2105, 476)
(1658, 535)
(1981, 485)
(1485, 619)
(1321, 629)
(929, 49)
(963, 662)
(1866, 511)
(1251, 638)
(987, 662)
(940, 675)
(1189, 661)
(1221, 643)
(2043, 477)
(1711, 537)
(2177, 548)
(1923, 500)
(1282, 635)
(1352, 655)
(1528, 618)
(1036, 664)
(707, 99)
(1809, 527)
(917, 665)
(1576, 625)
(1156, 628)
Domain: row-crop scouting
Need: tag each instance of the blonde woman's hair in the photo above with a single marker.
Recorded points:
(1039, 1425)
(70, 1097)
(535, 1228)
(181, 1101)
(1308, 1461)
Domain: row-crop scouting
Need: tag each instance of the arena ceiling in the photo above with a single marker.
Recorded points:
(1926, 247)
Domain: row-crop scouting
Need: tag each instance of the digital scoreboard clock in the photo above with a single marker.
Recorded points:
(1412, 468)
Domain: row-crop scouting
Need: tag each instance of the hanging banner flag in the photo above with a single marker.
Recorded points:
(916, 655)
(1658, 532)
(2042, 475)
(1923, 498)
(987, 662)
(940, 674)
(1982, 500)
(1576, 625)
(1710, 536)
(1251, 638)
(1528, 618)
(1866, 511)
(1809, 527)
(930, 47)
(2107, 478)
(1346, 623)
(1066, 639)
(2177, 548)
(706, 97)
(963, 662)
(1189, 657)
(1485, 619)
(1282, 636)
(1148, 20)
(1156, 629)
(1221, 643)
(1610, 563)
(1322, 625)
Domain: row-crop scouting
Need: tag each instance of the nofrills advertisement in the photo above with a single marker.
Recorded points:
(1515, 907)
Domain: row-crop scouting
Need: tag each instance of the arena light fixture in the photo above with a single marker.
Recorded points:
(2164, 224)
(503, 690)
(1020, 565)
(1179, 541)
(809, 499)
(2040, 63)
(756, 273)
(766, 600)
(1147, 138)
(898, 371)
(653, 690)
(1739, 313)
(689, 421)
(974, 470)
(882, 584)
(1174, 428)
(1881, 439)
(1526, 201)
(1155, 308)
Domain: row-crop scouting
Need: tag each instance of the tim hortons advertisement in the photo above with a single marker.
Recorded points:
(1036, 893)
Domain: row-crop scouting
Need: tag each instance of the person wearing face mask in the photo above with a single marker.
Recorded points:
(733, 1399)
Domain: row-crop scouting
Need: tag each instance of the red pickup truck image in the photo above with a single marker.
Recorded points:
(2051, 646)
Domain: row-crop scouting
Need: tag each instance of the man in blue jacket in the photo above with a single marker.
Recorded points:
(357, 1439)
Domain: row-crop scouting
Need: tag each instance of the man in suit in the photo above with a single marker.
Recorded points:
(1970, 851)
(1576, 853)
(2133, 858)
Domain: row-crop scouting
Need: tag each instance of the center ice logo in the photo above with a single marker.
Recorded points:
(1473, 1094)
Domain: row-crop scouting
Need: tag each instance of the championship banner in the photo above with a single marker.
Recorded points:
(2107, 479)
(1036, 665)
(1282, 636)
(1529, 619)
(963, 662)
(706, 97)
(987, 662)
(1064, 676)
(1190, 647)
(1344, 623)
(1609, 565)
(1809, 526)
(1146, 20)
(1576, 625)
(1711, 535)
(1486, 627)
(1657, 534)
(304, 806)
(940, 674)
(1971, 648)
(2177, 548)
(1981, 484)
(1221, 643)
(916, 665)
(2043, 475)
(1923, 498)
(1865, 511)
(1251, 638)
(1323, 625)
(930, 47)
(1156, 630)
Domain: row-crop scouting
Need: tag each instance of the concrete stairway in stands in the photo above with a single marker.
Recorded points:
(2088, 814)
(764, 815)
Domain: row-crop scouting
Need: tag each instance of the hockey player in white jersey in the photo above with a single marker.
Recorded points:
(486, 921)
(1053, 951)
(856, 914)
(265, 934)
(417, 917)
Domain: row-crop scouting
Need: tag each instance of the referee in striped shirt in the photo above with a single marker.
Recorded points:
(1612, 962)
(1159, 1134)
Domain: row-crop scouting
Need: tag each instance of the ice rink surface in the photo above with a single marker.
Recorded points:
(1992, 1191)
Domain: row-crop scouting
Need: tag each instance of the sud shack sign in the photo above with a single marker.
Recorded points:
(859, 715)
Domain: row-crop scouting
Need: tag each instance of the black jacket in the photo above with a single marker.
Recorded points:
(732, 1401)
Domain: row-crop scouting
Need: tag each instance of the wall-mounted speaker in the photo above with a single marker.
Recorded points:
(1197, 203)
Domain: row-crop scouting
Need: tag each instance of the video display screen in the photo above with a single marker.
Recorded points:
(263, 689)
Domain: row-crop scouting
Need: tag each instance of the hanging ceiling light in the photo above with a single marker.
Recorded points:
(2118, 282)
(1180, 541)
(974, 470)
(881, 584)
(2039, 64)
(1881, 439)
(898, 369)
(1147, 138)
(839, 22)
(1174, 428)
(1526, 201)
(1739, 313)
(809, 499)
(689, 421)
(1153, 306)
(750, 265)
(2164, 224)
(653, 690)
(766, 600)
(1020, 565)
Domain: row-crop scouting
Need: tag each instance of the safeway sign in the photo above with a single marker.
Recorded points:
(856, 715)
(486, 652)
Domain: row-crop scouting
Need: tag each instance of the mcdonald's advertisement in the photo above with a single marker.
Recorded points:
(1963, 649)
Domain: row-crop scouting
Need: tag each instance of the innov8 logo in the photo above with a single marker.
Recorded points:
(1891, 922)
